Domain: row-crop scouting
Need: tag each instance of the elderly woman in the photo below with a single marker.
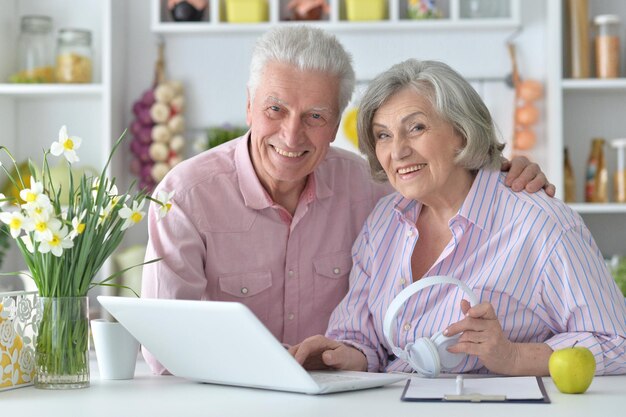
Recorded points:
(540, 278)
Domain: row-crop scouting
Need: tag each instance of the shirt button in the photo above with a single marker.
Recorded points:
(409, 233)
(407, 327)
(402, 281)
(336, 271)
(244, 290)
(291, 316)
(290, 272)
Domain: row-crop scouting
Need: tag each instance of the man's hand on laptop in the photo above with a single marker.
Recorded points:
(319, 352)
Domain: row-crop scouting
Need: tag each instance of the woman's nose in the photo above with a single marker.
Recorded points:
(400, 148)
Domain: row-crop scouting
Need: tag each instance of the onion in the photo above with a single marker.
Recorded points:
(530, 90)
(524, 139)
(527, 115)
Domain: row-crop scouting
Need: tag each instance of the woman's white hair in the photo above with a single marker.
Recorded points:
(306, 48)
(452, 97)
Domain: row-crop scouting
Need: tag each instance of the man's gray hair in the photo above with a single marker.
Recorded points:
(306, 48)
(452, 97)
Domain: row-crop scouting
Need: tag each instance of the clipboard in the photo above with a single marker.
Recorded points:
(477, 390)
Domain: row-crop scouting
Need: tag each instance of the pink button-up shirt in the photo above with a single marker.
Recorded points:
(225, 239)
(529, 255)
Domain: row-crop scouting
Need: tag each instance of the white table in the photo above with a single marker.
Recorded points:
(154, 396)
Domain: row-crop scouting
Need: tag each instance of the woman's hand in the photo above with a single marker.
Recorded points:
(525, 175)
(319, 352)
(483, 337)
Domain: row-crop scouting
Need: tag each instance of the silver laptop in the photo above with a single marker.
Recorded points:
(225, 343)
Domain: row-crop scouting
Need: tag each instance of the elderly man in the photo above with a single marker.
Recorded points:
(269, 219)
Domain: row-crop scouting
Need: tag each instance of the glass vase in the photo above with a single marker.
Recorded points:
(62, 347)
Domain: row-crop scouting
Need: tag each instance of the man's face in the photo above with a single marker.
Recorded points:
(293, 119)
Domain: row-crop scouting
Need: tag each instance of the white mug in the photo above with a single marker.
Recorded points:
(116, 349)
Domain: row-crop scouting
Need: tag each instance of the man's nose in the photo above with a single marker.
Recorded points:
(292, 130)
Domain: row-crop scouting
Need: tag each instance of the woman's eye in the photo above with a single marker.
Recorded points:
(418, 127)
(381, 135)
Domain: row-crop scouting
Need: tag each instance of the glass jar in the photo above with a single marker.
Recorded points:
(35, 57)
(607, 45)
(619, 178)
(74, 56)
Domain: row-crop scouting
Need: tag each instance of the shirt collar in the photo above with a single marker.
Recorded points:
(256, 197)
(478, 207)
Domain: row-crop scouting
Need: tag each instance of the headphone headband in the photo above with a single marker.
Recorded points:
(405, 294)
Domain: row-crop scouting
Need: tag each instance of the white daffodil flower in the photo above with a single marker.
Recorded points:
(165, 199)
(43, 208)
(57, 243)
(133, 215)
(66, 145)
(78, 226)
(34, 196)
(28, 243)
(95, 186)
(3, 200)
(16, 221)
(43, 226)
(103, 215)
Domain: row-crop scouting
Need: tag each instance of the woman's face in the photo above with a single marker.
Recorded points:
(416, 148)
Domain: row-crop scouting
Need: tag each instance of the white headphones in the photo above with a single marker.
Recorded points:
(427, 356)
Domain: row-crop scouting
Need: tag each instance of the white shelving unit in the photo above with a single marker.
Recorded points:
(579, 110)
(31, 114)
(396, 19)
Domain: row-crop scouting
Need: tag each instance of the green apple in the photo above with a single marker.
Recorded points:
(572, 369)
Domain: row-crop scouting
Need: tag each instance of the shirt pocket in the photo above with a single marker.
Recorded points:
(331, 274)
(249, 288)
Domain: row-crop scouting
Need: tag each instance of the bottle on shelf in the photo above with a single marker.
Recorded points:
(578, 27)
(619, 179)
(34, 51)
(597, 176)
(570, 181)
(607, 45)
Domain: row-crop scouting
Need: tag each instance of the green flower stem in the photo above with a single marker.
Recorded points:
(62, 356)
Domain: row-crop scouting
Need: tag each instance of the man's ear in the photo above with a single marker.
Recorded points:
(248, 108)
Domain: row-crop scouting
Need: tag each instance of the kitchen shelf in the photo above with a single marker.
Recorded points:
(60, 90)
(594, 84)
(598, 208)
(336, 21)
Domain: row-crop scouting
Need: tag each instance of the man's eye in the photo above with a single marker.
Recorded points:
(273, 112)
(315, 120)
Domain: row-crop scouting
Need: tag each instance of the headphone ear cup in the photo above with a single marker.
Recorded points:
(442, 343)
(423, 357)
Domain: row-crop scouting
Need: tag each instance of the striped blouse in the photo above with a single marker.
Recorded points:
(529, 255)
